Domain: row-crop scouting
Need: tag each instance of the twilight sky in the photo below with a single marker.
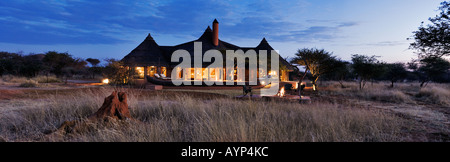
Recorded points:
(112, 28)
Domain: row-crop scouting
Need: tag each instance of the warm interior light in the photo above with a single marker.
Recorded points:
(281, 93)
(140, 71)
(105, 81)
(263, 83)
(272, 72)
(295, 86)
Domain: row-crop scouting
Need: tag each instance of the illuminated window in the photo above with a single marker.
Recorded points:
(205, 73)
(164, 70)
(212, 73)
(151, 71)
(218, 74)
(273, 73)
(198, 73)
(180, 72)
(140, 72)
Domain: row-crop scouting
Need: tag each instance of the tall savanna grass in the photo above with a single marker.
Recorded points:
(376, 92)
(436, 94)
(28, 82)
(168, 118)
(401, 93)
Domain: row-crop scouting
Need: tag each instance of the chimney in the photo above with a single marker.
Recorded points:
(215, 37)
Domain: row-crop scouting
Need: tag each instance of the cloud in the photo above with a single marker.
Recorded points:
(382, 43)
(316, 33)
(387, 43)
(114, 21)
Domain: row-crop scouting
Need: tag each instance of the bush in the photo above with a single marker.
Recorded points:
(45, 79)
(394, 96)
(29, 83)
(14, 79)
(436, 95)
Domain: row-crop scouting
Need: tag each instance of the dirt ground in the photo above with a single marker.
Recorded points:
(427, 122)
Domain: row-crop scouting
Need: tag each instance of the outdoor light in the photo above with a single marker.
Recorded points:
(281, 93)
(105, 81)
(263, 83)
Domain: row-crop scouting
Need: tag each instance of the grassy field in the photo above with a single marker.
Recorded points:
(378, 113)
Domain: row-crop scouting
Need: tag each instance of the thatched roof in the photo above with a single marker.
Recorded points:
(147, 53)
(264, 45)
(150, 53)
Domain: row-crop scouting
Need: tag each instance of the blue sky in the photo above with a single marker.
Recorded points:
(112, 28)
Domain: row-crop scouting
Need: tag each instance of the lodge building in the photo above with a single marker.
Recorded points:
(149, 58)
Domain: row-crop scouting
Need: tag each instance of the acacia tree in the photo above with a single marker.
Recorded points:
(56, 62)
(434, 39)
(429, 69)
(316, 61)
(93, 62)
(32, 65)
(94, 69)
(62, 64)
(117, 73)
(395, 72)
(10, 63)
(340, 72)
(366, 68)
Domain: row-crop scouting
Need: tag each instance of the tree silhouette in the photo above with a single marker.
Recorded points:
(62, 64)
(94, 69)
(317, 61)
(93, 62)
(340, 72)
(431, 69)
(434, 39)
(395, 72)
(57, 61)
(366, 68)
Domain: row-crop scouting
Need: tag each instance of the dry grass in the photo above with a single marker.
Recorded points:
(376, 92)
(185, 118)
(13, 79)
(27, 82)
(435, 94)
(45, 79)
(402, 92)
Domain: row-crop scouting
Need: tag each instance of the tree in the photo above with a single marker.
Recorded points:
(62, 64)
(340, 72)
(93, 62)
(32, 65)
(10, 63)
(94, 69)
(434, 39)
(117, 73)
(56, 62)
(395, 72)
(366, 68)
(431, 69)
(317, 61)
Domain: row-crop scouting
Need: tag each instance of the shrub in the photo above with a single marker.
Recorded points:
(14, 79)
(45, 79)
(29, 84)
(394, 96)
(436, 95)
